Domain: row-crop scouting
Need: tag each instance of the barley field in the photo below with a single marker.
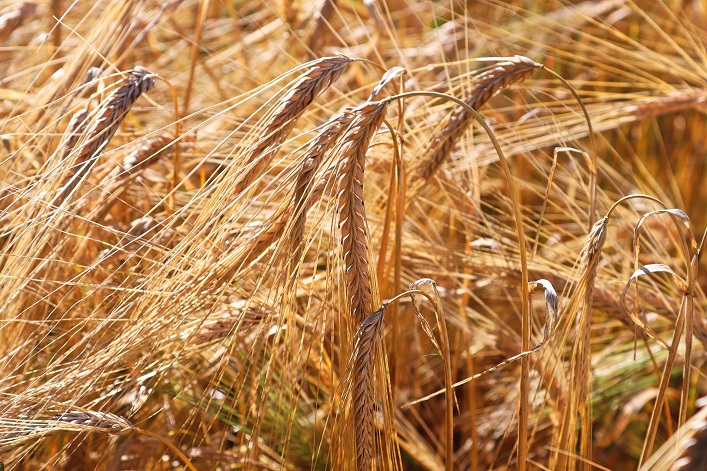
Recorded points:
(353, 235)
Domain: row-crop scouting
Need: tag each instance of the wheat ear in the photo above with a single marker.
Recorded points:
(368, 338)
(304, 197)
(74, 421)
(13, 17)
(118, 180)
(104, 125)
(503, 75)
(581, 355)
(352, 218)
(289, 109)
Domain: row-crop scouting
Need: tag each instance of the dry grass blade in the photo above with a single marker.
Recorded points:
(313, 156)
(104, 124)
(552, 310)
(368, 339)
(684, 320)
(352, 217)
(503, 75)
(13, 17)
(290, 107)
(685, 450)
(551, 317)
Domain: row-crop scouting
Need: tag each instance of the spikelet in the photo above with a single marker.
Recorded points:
(13, 17)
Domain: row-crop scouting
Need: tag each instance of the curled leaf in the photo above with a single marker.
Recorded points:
(385, 80)
(551, 309)
(647, 270)
(678, 215)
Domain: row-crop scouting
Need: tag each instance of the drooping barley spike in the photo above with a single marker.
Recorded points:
(141, 158)
(352, 217)
(13, 17)
(104, 124)
(368, 338)
(318, 30)
(289, 109)
(503, 75)
(74, 421)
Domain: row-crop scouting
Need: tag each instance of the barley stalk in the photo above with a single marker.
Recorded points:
(503, 75)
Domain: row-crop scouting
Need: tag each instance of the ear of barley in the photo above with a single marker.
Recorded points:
(368, 338)
(503, 75)
(352, 217)
(13, 17)
(141, 158)
(289, 109)
(73, 421)
(317, 31)
(105, 123)
(580, 402)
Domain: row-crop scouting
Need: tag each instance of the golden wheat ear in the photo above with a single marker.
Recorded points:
(352, 216)
(368, 338)
(503, 75)
(74, 421)
(101, 127)
(290, 108)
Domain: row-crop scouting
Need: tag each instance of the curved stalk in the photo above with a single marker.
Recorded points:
(525, 317)
(592, 147)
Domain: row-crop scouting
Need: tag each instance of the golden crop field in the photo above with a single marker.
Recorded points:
(353, 235)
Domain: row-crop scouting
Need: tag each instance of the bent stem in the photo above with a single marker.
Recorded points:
(592, 147)
(525, 317)
(169, 445)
